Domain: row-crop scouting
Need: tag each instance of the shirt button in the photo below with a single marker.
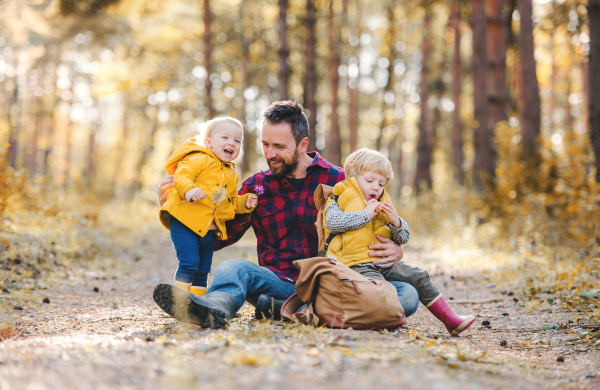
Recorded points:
(295, 200)
(301, 256)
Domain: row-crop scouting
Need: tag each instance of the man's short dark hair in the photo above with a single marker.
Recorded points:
(289, 112)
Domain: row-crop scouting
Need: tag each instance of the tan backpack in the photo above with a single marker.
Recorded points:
(322, 193)
(338, 297)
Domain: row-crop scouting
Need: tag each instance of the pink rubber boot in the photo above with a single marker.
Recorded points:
(452, 321)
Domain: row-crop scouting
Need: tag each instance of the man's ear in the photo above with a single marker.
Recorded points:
(207, 143)
(303, 145)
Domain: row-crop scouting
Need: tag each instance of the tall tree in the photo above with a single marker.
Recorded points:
(483, 137)
(529, 90)
(283, 51)
(334, 144)
(247, 38)
(497, 92)
(425, 141)
(594, 80)
(310, 83)
(353, 107)
(457, 145)
(207, 53)
(388, 51)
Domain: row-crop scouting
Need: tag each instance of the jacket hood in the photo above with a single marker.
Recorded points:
(189, 146)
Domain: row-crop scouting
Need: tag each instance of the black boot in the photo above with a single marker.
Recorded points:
(268, 307)
(211, 310)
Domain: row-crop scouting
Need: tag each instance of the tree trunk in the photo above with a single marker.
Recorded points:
(552, 85)
(390, 41)
(310, 84)
(425, 141)
(484, 163)
(334, 146)
(457, 144)
(207, 64)
(585, 75)
(90, 171)
(147, 149)
(353, 108)
(283, 51)
(594, 81)
(32, 147)
(13, 123)
(568, 115)
(497, 92)
(247, 37)
(529, 91)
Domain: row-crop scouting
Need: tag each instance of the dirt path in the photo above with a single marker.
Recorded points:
(103, 331)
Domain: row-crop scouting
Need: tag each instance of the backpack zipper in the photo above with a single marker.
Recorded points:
(354, 283)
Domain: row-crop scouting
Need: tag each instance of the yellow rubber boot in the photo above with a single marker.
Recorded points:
(185, 286)
(197, 290)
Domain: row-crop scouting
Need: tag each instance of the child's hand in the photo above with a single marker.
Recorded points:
(388, 208)
(195, 194)
(372, 207)
(251, 201)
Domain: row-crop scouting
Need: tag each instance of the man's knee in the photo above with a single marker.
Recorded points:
(234, 266)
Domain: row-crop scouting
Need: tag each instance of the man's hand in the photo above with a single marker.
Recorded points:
(388, 208)
(251, 201)
(372, 207)
(163, 188)
(388, 250)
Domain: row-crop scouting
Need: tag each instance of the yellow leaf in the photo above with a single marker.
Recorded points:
(6, 244)
(161, 339)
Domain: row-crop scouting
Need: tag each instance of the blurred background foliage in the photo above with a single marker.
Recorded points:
(485, 108)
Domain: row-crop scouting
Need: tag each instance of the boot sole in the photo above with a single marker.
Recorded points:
(463, 326)
(178, 303)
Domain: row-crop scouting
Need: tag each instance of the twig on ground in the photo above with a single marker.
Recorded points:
(21, 333)
(467, 301)
(101, 319)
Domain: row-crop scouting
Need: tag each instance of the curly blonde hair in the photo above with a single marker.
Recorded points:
(364, 160)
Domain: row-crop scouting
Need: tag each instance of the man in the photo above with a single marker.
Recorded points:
(284, 226)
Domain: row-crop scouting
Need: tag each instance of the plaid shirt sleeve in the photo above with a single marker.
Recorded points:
(339, 221)
(400, 235)
(237, 227)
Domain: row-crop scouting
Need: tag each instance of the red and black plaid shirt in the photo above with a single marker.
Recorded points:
(284, 219)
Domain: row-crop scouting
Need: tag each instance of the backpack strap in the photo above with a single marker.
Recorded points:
(331, 235)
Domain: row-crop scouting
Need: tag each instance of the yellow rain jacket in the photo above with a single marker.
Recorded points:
(195, 166)
(352, 247)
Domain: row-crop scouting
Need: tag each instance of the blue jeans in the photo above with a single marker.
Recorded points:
(194, 253)
(244, 280)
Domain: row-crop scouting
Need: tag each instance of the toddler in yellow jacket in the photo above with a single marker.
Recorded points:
(205, 197)
(359, 210)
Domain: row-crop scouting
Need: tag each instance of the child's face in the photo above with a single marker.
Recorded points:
(225, 141)
(371, 184)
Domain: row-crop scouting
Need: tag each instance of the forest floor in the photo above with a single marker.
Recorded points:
(102, 330)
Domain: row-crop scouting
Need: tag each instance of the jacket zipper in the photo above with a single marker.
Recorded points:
(214, 216)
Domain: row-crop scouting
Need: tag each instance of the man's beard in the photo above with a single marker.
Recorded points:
(285, 168)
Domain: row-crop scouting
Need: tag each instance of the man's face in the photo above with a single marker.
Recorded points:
(280, 148)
